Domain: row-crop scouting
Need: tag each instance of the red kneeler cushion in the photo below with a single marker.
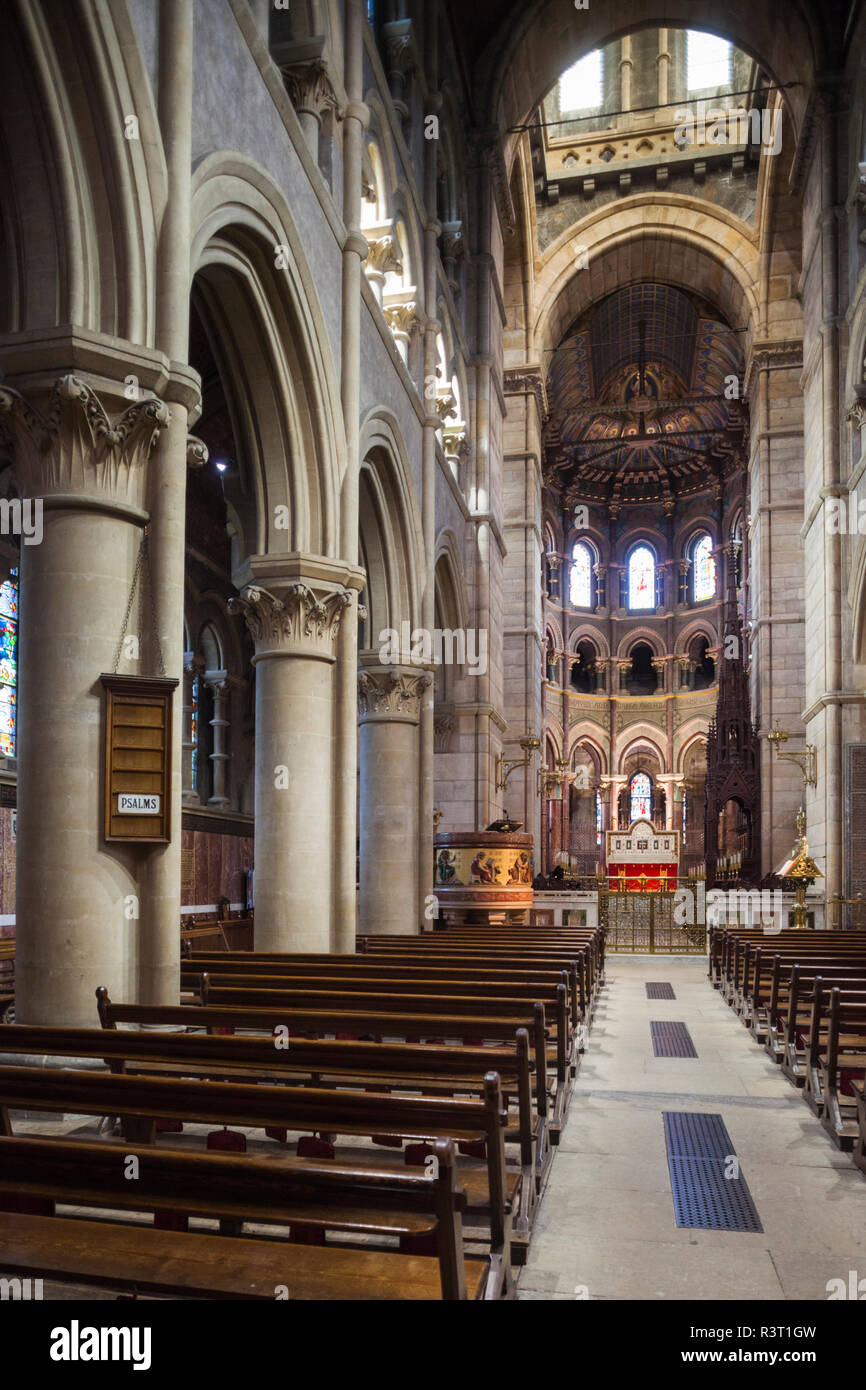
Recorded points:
(473, 1148)
(169, 1126)
(846, 1077)
(309, 1146)
(227, 1139)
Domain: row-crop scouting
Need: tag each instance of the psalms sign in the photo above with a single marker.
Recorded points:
(138, 758)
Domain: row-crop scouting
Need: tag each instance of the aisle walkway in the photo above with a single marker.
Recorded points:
(607, 1220)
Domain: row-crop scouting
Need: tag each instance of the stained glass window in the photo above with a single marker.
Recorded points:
(685, 796)
(642, 578)
(8, 664)
(704, 569)
(599, 818)
(580, 591)
(641, 796)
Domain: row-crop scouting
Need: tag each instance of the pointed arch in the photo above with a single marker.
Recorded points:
(269, 336)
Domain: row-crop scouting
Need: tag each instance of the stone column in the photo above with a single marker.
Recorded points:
(294, 623)
(77, 899)
(311, 92)
(389, 715)
(382, 258)
(191, 670)
(220, 756)
(664, 63)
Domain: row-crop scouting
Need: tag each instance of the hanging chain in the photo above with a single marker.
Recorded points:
(142, 567)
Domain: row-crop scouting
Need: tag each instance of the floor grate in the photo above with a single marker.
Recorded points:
(658, 989)
(672, 1040)
(709, 1191)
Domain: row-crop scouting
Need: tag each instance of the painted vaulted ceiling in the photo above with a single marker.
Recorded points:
(644, 394)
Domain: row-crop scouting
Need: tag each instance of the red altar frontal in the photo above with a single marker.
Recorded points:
(642, 859)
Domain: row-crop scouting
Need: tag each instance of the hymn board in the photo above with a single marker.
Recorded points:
(138, 758)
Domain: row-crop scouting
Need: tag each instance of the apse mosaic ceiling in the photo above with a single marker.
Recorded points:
(638, 405)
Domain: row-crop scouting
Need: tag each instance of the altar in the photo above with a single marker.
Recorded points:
(642, 859)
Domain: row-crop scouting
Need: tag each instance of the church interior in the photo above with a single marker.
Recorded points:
(432, 651)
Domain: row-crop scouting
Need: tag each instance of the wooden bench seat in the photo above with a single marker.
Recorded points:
(329, 1064)
(407, 995)
(142, 1260)
(141, 1101)
(411, 1204)
(789, 1010)
(769, 977)
(828, 1090)
(355, 1023)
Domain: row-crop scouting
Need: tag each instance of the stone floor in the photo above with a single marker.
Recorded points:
(606, 1228)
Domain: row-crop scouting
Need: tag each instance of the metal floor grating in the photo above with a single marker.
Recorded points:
(656, 989)
(700, 1153)
(672, 1040)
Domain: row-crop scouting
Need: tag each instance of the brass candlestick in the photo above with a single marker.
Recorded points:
(802, 869)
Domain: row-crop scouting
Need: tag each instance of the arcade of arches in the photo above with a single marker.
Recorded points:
(464, 405)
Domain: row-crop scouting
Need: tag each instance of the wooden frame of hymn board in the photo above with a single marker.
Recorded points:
(137, 758)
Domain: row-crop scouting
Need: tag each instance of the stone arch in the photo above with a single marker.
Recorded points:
(587, 633)
(638, 738)
(701, 627)
(390, 526)
(258, 300)
(647, 635)
(583, 735)
(81, 201)
(668, 238)
(539, 40)
(450, 587)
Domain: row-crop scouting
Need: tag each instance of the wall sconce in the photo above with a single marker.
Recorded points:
(807, 761)
(504, 768)
(551, 781)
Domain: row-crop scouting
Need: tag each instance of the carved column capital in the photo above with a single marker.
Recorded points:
(383, 255)
(309, 86)
(300, 621)
(391, 694)
(856, 413)
(197, 452)
(402, 319)
(75, 447)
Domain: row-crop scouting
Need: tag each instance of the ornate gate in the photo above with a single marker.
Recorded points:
(644, 922)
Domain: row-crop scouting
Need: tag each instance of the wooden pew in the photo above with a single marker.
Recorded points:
(790, 1005)
(836, 1044)
(435, 964)
(729, 946)
(234, 1190)
(767, 987)
(382, 1066)
(437, 1011)
(356, 1022)
(757, 957)
(140, 1101)
(407, 993)
(432, 950)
